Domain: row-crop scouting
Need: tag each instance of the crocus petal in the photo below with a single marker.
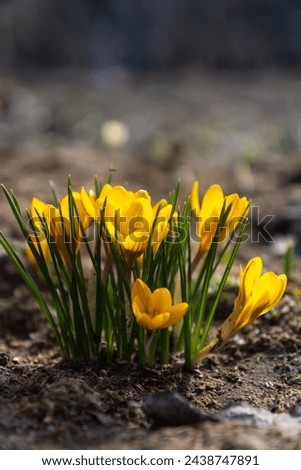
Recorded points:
(118, 199)
(268, 291)
(159, 206)
(237, 213)
(138, 306)
(212, 202)
(159, 233)
(161, 224)
(194, 198)
(88, 201)
(135, 242)
(141, 193)
(208, 213)
(164, 212)
(155, 323)
(38, 208)
(251, 275)
(85, 219)
(207, 234)
(141, 291)
(177, 312)
(139, 216)
(66, 210)
(41, 246)
(161, 300)
(104, 193)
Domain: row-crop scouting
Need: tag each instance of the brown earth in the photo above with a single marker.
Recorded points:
(49, 402)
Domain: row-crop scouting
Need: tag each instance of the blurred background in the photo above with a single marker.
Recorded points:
(155, 90)
(149, 34)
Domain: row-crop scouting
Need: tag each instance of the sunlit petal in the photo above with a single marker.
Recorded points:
(208, 213)
(88, 201)
(258, 294)
(250, 276)
(194, 198)
(212, 202)
(38, 208)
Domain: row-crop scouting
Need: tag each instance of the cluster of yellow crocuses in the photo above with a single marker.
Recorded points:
(130, 220)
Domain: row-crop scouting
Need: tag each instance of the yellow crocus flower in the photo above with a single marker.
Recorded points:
(58, 222)
(129, 217)
(154, 310)
(208, 213)
(258, 294)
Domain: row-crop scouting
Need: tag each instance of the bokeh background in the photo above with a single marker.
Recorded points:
(155, 90)
(149, 34)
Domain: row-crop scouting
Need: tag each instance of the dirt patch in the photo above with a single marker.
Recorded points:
(49, 402)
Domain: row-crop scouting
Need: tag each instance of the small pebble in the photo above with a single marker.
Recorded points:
(171, 409)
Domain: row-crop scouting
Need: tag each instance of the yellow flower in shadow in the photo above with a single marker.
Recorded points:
(208, 213)
(62, 231)
(41, 245)
(154, 310)
(258, 294)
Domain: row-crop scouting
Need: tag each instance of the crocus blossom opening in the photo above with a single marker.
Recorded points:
(154, 310)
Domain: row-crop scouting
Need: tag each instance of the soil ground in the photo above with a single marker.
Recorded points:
(241, 132)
